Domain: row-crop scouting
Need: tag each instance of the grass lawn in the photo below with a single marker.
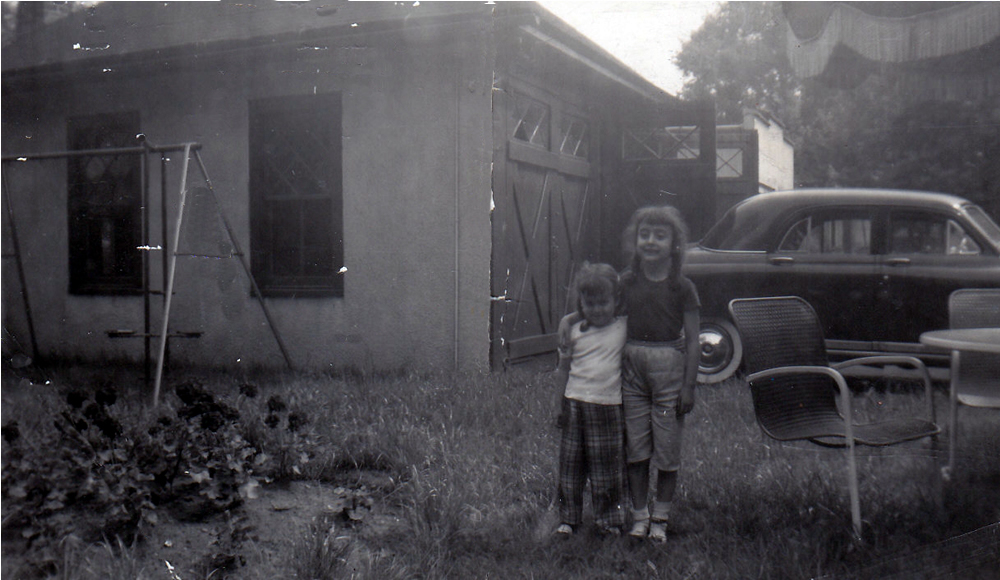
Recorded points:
(449, 476)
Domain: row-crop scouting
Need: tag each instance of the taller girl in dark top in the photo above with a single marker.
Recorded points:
(660, 361)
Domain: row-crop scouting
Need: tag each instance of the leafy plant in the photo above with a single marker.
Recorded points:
(102, 470)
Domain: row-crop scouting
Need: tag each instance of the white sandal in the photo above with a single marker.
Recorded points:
(639, 528)
(658, 531)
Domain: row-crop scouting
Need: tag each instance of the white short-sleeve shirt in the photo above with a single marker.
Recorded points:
(595, 354)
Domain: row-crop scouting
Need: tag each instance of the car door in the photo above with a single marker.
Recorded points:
(825, 256)
(928, 255)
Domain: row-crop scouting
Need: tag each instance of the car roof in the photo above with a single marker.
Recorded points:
(752, 218)
(777, 200)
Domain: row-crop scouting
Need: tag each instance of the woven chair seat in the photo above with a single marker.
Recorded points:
(830, 431)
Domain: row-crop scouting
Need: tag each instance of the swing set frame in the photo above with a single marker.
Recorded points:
(169, 246)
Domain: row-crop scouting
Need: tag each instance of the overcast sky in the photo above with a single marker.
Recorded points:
(644, 35)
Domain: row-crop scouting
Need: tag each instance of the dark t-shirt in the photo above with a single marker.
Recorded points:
(656, 310)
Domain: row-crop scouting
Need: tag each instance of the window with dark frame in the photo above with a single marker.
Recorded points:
(923, 233)
(830, 233)
(296, 197)
(530, 120)
(104, 206)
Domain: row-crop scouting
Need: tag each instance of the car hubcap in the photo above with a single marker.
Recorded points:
(716, 350)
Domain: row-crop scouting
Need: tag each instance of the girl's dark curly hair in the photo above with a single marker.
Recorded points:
(597, 281)
(655, 216)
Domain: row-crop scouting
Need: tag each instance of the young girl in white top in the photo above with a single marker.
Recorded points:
(589, 376)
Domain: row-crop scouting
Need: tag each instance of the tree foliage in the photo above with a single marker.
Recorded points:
(738, 59)
(885, 132)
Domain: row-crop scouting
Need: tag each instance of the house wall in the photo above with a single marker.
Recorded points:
(416, 183)
(776, 163)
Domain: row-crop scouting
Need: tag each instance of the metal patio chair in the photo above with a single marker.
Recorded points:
(975, 376)
(795, 388)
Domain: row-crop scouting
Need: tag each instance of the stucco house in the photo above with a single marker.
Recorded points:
(377, 185)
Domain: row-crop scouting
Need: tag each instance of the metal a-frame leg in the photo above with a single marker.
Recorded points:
(243, 262)
(20, 268)
(169, 291)
(173, 268)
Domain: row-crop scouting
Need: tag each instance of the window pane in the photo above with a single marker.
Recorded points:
(985, 223)
(104, 205)
(286, 232)
(960, 242)
(917, 234)
(574, 136)
(295, 194)
(828, 236)
(729, 163)
(530, 121)
(317, 260)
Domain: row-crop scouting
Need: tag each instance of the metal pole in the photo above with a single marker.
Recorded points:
(145, 266)
(164, 242)
(170, 278)
(246, 268)
(20, 267)
(108, 151)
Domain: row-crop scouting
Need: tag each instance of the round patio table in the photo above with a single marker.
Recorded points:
(957, 340)
(977, 339)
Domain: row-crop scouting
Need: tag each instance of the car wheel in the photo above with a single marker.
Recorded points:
(721, 350)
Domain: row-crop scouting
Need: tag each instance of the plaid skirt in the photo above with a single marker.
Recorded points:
(592, 446)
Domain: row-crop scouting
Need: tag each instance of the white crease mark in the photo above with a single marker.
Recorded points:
(78, 46)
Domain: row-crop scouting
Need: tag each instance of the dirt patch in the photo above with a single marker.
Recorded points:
(265, 533)
(259, 539)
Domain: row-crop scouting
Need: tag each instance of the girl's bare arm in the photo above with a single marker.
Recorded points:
(692, 353)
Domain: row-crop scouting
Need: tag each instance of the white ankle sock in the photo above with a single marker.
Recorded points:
(661, 510)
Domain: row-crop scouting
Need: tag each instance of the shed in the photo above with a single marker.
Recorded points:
(408, 185)
(752, 157)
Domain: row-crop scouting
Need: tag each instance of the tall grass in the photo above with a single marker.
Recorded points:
(467, 463)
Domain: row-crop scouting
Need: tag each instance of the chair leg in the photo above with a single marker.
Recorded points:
(949, 470)
(852, 474)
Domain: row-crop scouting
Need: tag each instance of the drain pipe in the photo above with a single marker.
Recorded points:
(458, 191)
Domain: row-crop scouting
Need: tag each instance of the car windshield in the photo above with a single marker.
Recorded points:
(985, 223)
(735, 231)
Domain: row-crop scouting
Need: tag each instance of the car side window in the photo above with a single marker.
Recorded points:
(929, 234)
(829, 235)
(959, 242)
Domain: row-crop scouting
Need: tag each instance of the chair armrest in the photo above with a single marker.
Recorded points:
(845, 392)
(799, 370)
(888, 359)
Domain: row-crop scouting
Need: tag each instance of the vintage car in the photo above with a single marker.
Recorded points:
(877, 265)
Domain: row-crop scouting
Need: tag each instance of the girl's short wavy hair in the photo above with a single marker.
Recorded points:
(595, 280)
(664, 215)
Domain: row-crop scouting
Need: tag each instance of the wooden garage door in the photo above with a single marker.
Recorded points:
(545, 217)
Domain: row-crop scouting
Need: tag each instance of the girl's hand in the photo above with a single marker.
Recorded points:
(561, 420)
(686, 402)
